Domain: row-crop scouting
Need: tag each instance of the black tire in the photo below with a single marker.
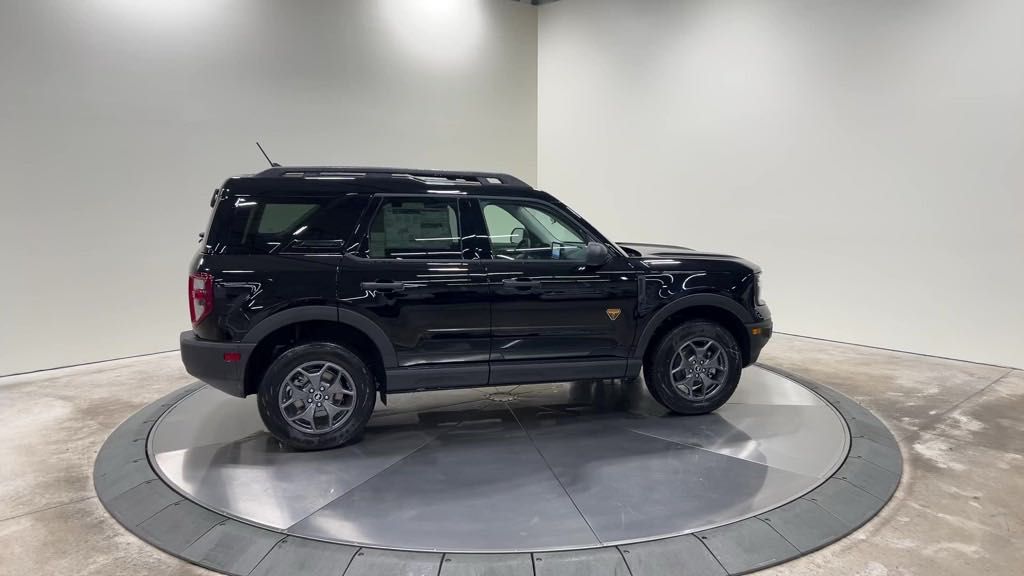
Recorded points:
(349, 428)
(657, 368)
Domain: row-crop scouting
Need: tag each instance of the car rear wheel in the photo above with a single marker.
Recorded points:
(316, 396)
(695, 368)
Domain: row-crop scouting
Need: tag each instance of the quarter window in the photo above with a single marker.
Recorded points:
(278, 224)
(279, 217)
(522, 231)
(407, 228)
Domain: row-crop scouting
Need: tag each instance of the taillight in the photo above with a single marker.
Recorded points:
(200, 296)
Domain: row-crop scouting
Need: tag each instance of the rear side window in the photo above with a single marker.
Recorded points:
(416, 228)
(269, 224)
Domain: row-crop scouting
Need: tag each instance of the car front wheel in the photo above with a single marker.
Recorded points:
(316, 396)
(695, 368)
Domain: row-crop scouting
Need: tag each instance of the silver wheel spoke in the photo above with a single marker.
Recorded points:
(715, 356)
(337, 386)
(332, 409)
(696, 351)
(297, 389)
(306, 414)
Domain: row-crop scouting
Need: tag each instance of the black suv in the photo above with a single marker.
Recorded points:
(319, 288)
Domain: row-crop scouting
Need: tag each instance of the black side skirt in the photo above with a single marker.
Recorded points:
(474, 374)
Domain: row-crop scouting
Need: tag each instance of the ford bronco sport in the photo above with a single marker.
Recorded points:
(320, 288)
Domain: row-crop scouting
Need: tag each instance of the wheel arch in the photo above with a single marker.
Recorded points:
(312, 323)
(707, 306)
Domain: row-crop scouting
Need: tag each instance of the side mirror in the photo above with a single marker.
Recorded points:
(517, 236)
(597, 254)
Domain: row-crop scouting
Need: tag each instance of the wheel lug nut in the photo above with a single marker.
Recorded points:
(319, 404)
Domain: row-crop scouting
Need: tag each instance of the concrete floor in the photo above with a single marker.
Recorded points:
(959, 509)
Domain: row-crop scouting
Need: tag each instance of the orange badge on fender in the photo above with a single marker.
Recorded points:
(613, 313)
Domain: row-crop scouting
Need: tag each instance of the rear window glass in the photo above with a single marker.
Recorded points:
(267, 225)
(416, 228)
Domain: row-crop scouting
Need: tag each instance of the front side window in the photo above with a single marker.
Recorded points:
(416, 228)
(524, 231)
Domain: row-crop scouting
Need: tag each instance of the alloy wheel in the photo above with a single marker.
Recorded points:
(698, 368)
(317, 397)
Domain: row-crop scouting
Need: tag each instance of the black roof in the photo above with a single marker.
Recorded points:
(375, 179)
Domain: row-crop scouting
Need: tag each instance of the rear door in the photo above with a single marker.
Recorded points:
(546, 303)
(414, 276)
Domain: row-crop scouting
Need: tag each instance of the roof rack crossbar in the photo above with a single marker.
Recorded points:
(369, 172)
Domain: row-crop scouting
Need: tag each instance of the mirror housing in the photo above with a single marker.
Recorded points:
(517, 236)
(597, 254)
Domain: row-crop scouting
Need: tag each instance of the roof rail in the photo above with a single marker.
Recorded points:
(428, 176)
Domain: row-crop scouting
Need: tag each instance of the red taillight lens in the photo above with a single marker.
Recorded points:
(200, 296)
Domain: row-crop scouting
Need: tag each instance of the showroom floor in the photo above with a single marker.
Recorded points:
(959, 509)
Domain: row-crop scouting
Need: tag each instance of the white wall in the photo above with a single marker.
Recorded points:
(868, 154)
(119, 117)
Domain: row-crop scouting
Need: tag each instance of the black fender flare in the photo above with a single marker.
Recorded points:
(330, 314)
(713, 300)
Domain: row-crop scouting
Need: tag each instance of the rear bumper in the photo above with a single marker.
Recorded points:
(204, 359)
(759, 333)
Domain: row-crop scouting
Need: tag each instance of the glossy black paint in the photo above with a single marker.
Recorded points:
(249, 289)
(433, 311)
(459, 321)
(558, 310)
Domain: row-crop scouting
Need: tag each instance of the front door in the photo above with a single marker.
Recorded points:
(409, 276)
(547, 305)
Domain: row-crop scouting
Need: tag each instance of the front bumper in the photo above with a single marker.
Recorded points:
(759, 334)
(205, 359)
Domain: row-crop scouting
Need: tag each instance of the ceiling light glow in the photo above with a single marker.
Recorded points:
(441, 33)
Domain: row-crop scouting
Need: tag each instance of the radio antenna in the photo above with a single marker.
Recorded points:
(272, 163)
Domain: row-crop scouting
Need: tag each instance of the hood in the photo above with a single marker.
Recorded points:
(668, 252)
(637, 249)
